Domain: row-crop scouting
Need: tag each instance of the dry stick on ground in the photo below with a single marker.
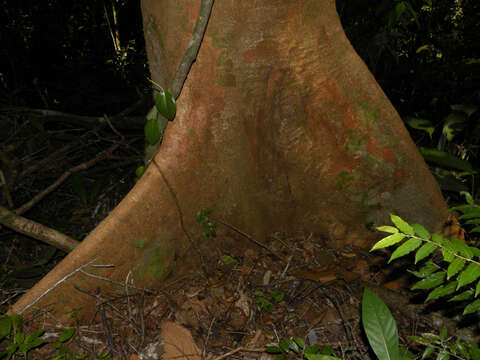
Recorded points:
(101, 310)
(41, 232)
(36, 230)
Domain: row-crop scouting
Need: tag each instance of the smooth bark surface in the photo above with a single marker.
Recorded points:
(280, 127)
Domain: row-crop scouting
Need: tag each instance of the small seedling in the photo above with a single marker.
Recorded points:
(297, 346)
(209, 228)
(227, 259)
(265, 302)
(16, 340)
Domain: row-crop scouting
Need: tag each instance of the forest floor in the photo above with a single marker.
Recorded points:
(235, 303)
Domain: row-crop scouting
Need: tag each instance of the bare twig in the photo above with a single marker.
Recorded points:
(118, 283)
(104, 154)
(20, 312)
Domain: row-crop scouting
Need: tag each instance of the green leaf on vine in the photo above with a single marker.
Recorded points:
(424, 251)
(472, 307)
(443, 290)
(388, 241)
(471, 273)
(433, 280)
(402, 225)
(463, 296)
(152, 131)
(165, 104)
(455, 266)
(406, 248)
(421, 231)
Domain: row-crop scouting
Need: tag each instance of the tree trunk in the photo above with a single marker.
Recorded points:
(280, 127)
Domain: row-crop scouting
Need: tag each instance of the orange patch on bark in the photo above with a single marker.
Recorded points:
(350, 120)
(249, 55)
(380, 152)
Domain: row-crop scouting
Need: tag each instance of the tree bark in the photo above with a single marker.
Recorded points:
(280, 127)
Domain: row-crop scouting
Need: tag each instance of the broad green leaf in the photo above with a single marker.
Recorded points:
(388, 229)
(66, 335)
(462, 248)
(443, 290)
(421, 231)
(152, 131)
(406, 248)
(428, 268)
(314, 349)
(427, 352)
(430, 282)
(431, 338)
(462, 348)
(443, 333)
(424, 251)
(474, 213)
(468, 197)
(320, 357)
(11, 349)
(152, 114)
(474, 350)
(140, 171)
(467, 109)
(444, 159)
(476, 229)
(388, 241)
(442, 355)
(453, 123)
(420, 340)
(273, 350)
(472, 307)
(294, 346)
(300, 342)
(469, 275)
(462, 296)
(475, 221)
(455, 266)
(448, 254)
(437, 239)
(476, 251)
(463, 208)
(285, 344)
(379, 326)
(421, 124)
(5, 327)
(477, 289)
(165, 104)
(402, 225)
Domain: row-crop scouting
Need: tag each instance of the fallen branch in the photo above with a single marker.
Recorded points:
(36, 230)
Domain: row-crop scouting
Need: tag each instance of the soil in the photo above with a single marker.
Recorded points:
(238, 300)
